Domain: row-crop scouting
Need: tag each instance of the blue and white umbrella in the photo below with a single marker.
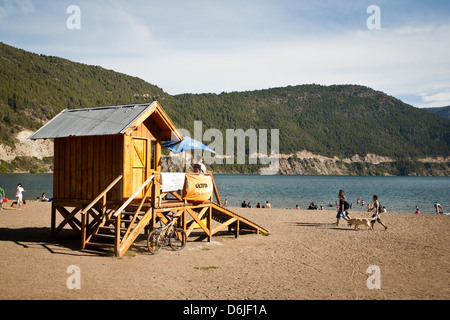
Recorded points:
(186, 144)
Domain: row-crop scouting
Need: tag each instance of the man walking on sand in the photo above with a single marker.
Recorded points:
(376, 212)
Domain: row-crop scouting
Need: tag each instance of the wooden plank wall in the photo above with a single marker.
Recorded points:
(142, 131)
(85, 166)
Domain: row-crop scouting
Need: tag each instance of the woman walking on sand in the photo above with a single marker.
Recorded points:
(376, 212)
(342, 208)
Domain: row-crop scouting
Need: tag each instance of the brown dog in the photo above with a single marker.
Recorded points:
(361, 221)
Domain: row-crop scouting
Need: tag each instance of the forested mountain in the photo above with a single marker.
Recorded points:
(338, 120)
(34, 88)
(341, 120)
(442, 111)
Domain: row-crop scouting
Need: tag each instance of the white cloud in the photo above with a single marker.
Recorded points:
(16, 7)
(436, 100)
(399, 62)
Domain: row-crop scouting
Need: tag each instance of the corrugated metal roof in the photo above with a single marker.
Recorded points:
(91, 122)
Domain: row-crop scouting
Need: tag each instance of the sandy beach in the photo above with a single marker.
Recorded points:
(305, 256)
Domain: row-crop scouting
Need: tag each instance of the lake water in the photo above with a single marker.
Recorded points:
(398, 194)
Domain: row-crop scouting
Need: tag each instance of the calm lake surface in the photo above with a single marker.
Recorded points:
(398, 194)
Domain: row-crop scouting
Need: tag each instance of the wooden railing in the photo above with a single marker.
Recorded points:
(122, 245)
(85, 211)
(138, 191)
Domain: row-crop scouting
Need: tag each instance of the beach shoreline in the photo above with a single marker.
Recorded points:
(304, 257)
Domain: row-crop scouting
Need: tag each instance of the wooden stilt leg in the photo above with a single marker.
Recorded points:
(117, 236)
(184, 220)
(53, 221)
(83, 230)
(209, 222)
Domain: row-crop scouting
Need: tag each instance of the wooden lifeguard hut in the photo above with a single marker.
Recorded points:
(107, 183)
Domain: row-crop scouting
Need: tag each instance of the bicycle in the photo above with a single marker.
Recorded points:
(176, 237)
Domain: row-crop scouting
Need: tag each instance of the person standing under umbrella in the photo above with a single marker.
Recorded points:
(199, 167)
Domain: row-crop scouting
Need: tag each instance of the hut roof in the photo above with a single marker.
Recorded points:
(107, 121)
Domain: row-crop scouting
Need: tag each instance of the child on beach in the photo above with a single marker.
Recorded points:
(377, 211)
(417, 210)
(19, 195)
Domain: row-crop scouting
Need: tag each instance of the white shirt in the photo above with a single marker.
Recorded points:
(19, 192)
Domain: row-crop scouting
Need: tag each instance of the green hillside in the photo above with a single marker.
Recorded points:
(34, 88)
(339, 120)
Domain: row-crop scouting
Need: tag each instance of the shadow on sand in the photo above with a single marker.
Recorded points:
(67, 242)
(318, 225)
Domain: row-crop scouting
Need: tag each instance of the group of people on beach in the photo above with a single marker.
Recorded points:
(244, 204)
(437, 206)
(344, 206)
(19, 196)
(20, 201)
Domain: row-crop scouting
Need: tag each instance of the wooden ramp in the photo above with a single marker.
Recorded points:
(227, 217)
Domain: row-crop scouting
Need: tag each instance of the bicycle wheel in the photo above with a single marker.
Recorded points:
(154, 241)
(177, 240)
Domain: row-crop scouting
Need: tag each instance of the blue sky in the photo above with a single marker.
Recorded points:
(201, 46)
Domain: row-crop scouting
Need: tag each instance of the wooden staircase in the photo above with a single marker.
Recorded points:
(131, 225)
(115, 228)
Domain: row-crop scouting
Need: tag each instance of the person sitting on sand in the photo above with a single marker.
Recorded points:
(42, 198)
(268, 206)
(244, 204)
(312, 206)
(297, 207)
(14, 203)
(417, 210)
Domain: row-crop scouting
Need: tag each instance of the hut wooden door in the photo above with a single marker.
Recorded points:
(139, 164)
